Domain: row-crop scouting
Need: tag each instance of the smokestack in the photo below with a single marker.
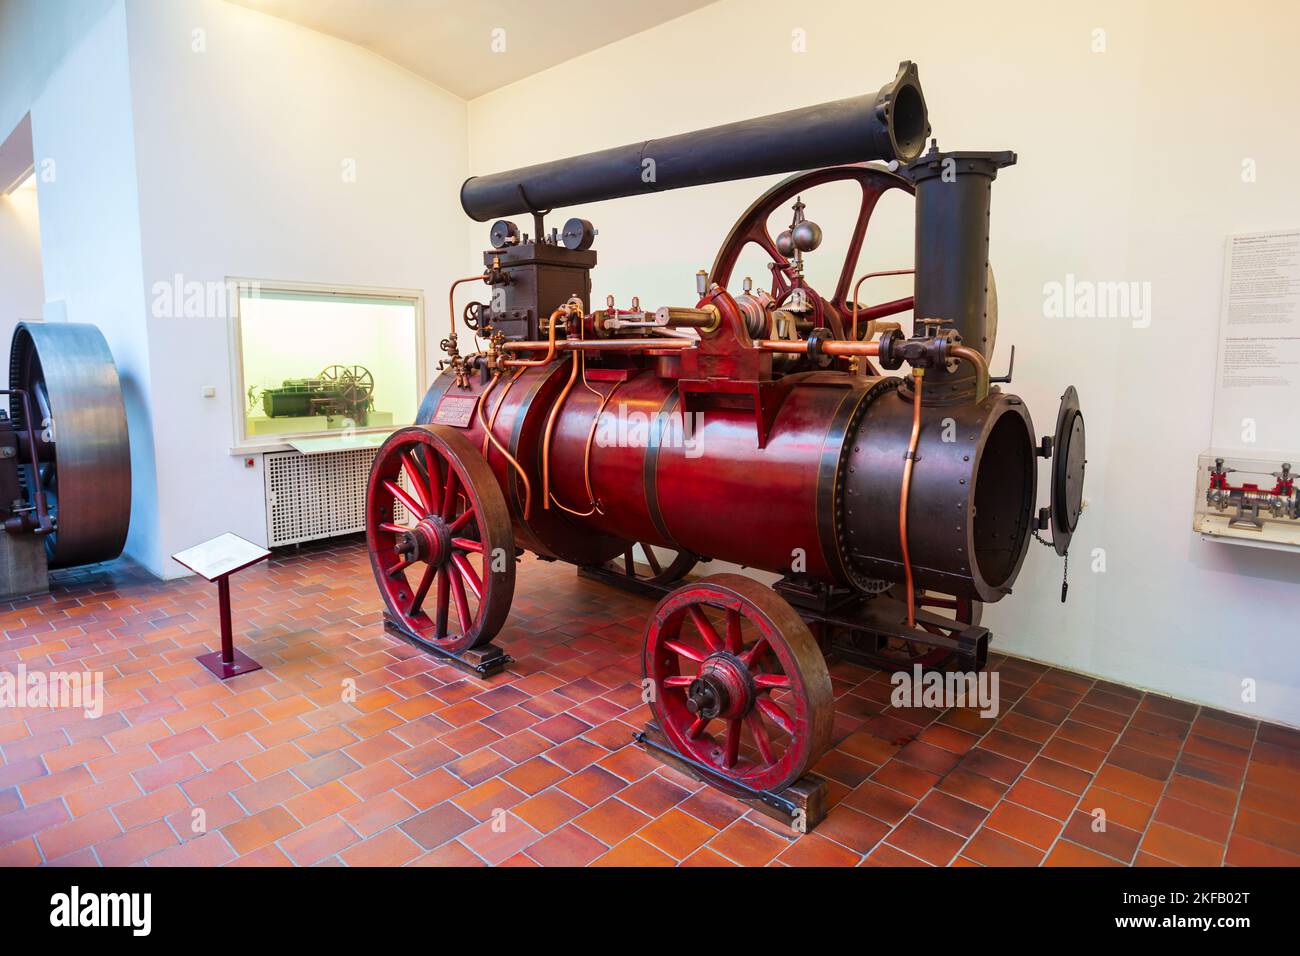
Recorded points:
(888, 125)
(953, 193)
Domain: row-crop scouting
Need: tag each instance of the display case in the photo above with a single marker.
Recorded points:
(1247, 500)
(316, 362)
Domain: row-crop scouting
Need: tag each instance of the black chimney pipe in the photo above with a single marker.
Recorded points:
(889, 125)
(953, 195)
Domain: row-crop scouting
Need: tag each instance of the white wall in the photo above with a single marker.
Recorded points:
(90, 231)
(1129, 170)
(35, 35)
(241, 146)
(21, 292)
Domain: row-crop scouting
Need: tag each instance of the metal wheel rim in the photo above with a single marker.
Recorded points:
(67, 368)
(474, 555)
(779, 654)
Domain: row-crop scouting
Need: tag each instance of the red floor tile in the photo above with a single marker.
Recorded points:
(536, 766)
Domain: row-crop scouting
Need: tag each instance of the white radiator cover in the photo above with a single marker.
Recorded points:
(315, 496)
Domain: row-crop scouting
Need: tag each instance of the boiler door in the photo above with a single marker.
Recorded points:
(1068, 464)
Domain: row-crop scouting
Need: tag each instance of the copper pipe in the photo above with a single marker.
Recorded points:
(591, 435)
(586, 459)
(858, 284)
(550, 429)
(800, 347)
(918, 374)
(981, 364)
(549, 345)
(579, 358)
(451, 296)
(781, 345)
(523, 475)
(592, 345)
(492, 422)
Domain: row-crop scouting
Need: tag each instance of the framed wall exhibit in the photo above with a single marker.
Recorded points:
(1244, 493)
(323, 367)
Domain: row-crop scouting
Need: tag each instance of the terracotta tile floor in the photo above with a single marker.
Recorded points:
(277, 768)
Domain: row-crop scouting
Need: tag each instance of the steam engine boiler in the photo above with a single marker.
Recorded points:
(757, 426)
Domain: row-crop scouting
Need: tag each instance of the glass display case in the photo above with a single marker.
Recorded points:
(314, 363)
(1247, 500)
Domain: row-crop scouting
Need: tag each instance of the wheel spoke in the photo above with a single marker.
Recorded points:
(735, 642)
(629, 567)
(412, 470)
(394, 528)
(462, 603)
(869, 198)
(444, 599)
(771, 682)
(751, 656)
(684, 681)
(410, 504)
(449, 493)
(761, 737)
(399, 567)
(773, 712)
(733, 744)
(650, 557)
(422, 591)
(433, 469)
(697, 728)
(685, 650)
(711, 639)
(469, 575)
(465, 518)
(465, 544)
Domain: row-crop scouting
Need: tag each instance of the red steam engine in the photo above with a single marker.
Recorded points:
(755, 427)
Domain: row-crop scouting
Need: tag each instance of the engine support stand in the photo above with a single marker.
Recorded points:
(483, 662)
(801, 805)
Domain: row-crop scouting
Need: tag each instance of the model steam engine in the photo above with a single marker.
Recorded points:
(1249, 499)
(346, 390)
(893, 505)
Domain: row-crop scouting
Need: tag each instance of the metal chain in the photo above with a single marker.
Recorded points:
(1065, 571)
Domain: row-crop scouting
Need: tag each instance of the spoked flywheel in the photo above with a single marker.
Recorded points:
(83, 454)
(440, 539)
(739, 684)
(647, 564)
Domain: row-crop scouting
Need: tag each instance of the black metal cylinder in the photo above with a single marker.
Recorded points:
(887, 125)
(953, 194)
(971, 502)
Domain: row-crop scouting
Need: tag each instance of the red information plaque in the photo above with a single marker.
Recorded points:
(455, 410)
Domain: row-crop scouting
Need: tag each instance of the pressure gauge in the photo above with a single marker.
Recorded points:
(578, 234)
(504, 233)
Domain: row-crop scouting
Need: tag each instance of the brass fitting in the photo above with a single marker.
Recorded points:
(706, 320)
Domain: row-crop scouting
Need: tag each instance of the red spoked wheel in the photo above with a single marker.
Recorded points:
(739, 685)
(440, 538)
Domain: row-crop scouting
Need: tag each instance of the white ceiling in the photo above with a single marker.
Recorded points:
(450, 41)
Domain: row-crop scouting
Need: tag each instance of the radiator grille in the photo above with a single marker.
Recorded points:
(315, 496)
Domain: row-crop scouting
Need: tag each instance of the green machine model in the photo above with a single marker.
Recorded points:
(339, 390)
